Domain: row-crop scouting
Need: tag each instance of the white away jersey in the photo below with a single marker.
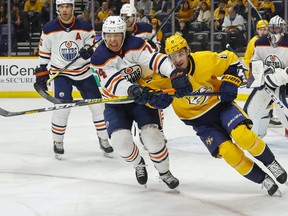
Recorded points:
(276, 57)
(59, 45)
(134, 55)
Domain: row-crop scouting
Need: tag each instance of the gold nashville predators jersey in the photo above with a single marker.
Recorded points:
(206, 69)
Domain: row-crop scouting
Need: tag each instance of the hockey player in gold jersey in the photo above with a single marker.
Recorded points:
(218, 120)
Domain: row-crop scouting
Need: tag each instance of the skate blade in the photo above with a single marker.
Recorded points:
(286, 183)
(277, 194)
(58, 156)
(108, 155)
(145, 186)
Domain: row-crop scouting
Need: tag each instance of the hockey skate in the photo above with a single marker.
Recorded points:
(274, 123)
(169, 180)
(278, 172)
(141, 173)
(271, 187)
(58, 149)
(106, 148)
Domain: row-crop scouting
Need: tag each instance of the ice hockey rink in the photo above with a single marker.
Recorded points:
(85, 183)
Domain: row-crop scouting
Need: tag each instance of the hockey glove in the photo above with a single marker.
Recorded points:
(180, 82)
(141, 95)
(229, 87)
(42, 76)
(161, 101)
(86, 53)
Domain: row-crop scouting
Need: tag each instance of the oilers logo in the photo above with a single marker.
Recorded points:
(132, 73)
(199, 100)
(273, 60)
(68, 50)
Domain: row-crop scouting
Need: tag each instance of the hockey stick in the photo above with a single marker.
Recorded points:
(86, 102)
(260, 16)
(166, 20)
(72, 62)
(54, 100)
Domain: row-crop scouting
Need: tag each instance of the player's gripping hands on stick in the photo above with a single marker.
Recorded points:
(180, 82)
(42, 76)
(144, 96)
(274, 78)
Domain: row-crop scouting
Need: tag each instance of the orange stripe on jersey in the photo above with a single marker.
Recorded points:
(100, 125)
(110, 59)
(106, 93)
(132, 50)
(159, 156)
(156, 62)
(70, 71)
(116, 79)
(44, 53)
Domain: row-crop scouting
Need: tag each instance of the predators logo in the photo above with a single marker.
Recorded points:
(199, 100)
(209, 141)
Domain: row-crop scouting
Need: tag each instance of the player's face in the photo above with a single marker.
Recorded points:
(262, 31)
(114, 41)
(130, 21)
(180, 58)
(66, 12)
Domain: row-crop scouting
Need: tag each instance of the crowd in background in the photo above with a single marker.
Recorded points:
(230, 16)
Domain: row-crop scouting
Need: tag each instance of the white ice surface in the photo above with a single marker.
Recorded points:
(85, 183)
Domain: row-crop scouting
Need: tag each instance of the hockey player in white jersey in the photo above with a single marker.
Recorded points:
(62, 40)
(271, 53)
(144, 30)
(116, 61)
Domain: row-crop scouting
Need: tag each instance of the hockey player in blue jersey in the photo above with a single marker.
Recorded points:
(62, 40)
(116, 61)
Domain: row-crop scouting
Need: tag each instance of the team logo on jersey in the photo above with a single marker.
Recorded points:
(273, 60)
(68, 50)
(199, 100)
(132, 73)
(209, 141)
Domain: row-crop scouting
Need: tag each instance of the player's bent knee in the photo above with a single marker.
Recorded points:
(122, 141)
(152, 137)
(248, 139)
(235, 157)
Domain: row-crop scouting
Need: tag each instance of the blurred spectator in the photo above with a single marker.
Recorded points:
(184, 29)
(141, 16)
(98, 25)
(157, 6)
(146, 5)
(88, 6)
(33, 9)
(231, 3)
(159, 36)
(204, 13)
(233, 25)
(20, 23)
(267, 9)
(221, 6)
(218, 22)
(151, 15)
(185, 12)
(103, 13)
(85, 15)
(3, 14)
(241, 9)
(45, 11)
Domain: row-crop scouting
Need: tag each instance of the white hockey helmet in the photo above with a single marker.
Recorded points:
(59, 2)
(128, 10)
(277, 28)
(114, 24)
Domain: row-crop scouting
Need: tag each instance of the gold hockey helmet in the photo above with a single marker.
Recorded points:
(175, 43)
(262, 24)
